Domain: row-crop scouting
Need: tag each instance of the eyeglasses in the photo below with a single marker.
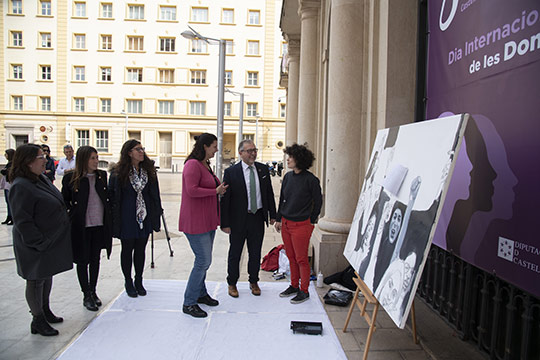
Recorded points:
(251, 151)
(139, 149)
(46, 150)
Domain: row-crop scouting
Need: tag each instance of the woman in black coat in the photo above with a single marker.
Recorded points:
(136, 210)
(50, 168)
(41, 233)
(86, 196)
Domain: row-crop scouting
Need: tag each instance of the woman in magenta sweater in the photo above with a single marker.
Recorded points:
(199, 219)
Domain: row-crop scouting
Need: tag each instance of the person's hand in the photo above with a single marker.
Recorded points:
(226, 230)
(272, 221)
(222, 189)
(277, 226)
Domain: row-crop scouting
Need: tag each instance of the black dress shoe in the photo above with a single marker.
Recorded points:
(8, 219)
(207, 300)
(40, 326)
(194, 310)
(10, 222)
(50, 317)
(96, 299)
(130, 289)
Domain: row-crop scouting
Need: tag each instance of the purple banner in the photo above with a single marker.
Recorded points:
(484, 59)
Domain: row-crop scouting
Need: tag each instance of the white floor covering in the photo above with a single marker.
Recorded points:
(248, 327)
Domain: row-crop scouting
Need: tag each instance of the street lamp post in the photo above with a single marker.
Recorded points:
(257, 129)
(241, 115)
(194, 35)
(123, 112)
(256, 121)
(241, 118)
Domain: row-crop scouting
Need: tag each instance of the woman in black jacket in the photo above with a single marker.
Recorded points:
(300, 203)
(5, 172)
(86, 196)
(41, 235)
(136, 210)
(50, 168)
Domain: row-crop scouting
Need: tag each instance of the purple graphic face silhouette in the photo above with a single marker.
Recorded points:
(490, 190)
(505, 180)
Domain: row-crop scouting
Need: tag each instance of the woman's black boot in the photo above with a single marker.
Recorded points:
(50, 317)
(89, 302)
(139, 286)
(130, 289)
(96, 299)
(41, 326)
(8, 219)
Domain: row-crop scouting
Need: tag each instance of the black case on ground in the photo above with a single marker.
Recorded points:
(306, 327)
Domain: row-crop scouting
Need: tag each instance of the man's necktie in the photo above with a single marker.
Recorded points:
(252, 191)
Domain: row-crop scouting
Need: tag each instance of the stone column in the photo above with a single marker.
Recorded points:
(307, 93)
(345, 85)
(291, 124)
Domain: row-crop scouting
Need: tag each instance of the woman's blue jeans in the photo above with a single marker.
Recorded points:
(202, 245)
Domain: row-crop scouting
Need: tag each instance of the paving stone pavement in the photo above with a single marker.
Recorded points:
(437, 340)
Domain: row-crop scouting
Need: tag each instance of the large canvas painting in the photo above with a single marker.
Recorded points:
(408, 175)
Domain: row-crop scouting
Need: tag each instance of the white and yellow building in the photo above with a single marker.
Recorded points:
(87, 72)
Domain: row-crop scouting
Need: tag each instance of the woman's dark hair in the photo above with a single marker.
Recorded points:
(46, 148)
(81, 164)
(24, 156)
(9, 154)
(198, 152)
(123, 166)
(303, 157)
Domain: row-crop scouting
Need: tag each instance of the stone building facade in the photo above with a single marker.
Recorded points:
(350, 70)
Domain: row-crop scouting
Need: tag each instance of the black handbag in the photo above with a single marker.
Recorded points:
(338, 297)
(344, 278)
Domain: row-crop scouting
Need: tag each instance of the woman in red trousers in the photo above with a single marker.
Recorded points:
(300, 204)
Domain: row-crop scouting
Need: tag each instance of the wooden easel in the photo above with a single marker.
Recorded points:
(369, 298)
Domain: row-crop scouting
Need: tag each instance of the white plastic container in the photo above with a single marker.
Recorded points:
(320, 279)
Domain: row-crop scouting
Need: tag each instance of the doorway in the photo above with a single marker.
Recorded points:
(165, 150)
(20, 140)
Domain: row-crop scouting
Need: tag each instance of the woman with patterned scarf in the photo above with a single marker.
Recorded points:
(136, 210)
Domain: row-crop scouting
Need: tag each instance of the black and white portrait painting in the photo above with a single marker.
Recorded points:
(393, 225)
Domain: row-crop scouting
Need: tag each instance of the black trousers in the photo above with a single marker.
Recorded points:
(133, 252)
(37, 295)
(94, 236)
(253, 233)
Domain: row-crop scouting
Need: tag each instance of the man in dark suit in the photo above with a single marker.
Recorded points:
(246, 206)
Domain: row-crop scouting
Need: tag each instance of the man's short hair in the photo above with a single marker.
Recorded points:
(68, 146)
(243, 142)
